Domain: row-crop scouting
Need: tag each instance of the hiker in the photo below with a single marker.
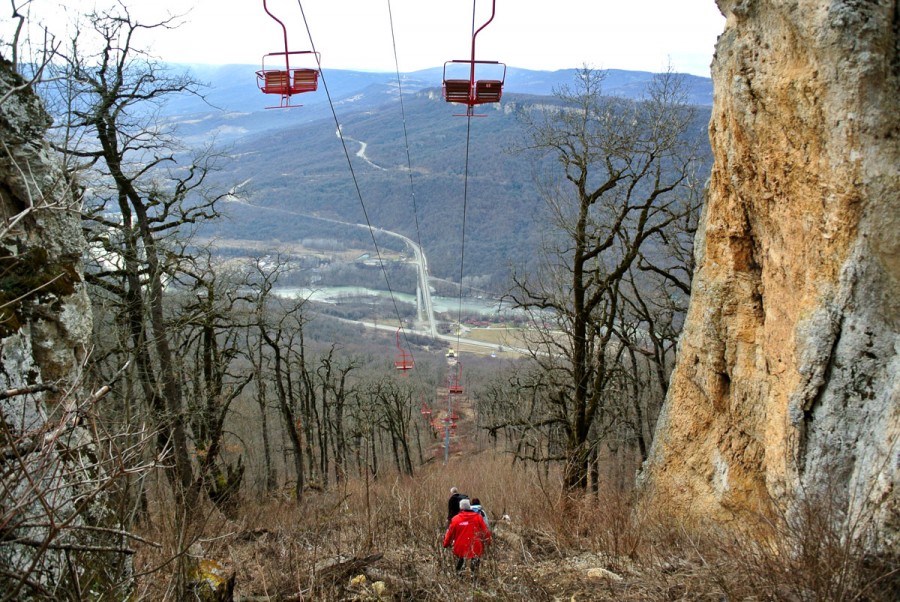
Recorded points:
(468, 534)
(453, 503)
(477, 507)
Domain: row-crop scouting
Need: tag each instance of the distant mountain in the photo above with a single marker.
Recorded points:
(303, 181)
(627, 84)
(233, 107)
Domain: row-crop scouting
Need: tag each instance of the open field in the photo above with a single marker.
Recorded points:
(504, 336)
(500, 335)
(267, 247)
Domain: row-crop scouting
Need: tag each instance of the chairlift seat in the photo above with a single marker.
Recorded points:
(305, 80)
(456, 90)
(488, 90)
(403, 364)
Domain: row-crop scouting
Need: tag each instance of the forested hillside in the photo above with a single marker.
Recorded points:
(480, 172)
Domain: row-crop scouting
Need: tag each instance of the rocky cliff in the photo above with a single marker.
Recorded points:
(53, 507)
(787, 385)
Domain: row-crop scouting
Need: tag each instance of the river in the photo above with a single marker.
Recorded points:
(451, 305)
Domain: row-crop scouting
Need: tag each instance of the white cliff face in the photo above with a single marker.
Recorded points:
(788, 382)
(49, 463)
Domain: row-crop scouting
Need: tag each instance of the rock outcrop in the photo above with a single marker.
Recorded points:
(54, 516)
(787, 384)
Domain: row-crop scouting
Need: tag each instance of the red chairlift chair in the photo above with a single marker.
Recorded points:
(404, 361)
(472, 91)
(288, 81)
(454, 387)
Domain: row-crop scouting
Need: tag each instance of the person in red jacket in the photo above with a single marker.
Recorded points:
(468, 534)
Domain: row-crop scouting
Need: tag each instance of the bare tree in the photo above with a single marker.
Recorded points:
(627, 178)
(328, 386)
(141, 194)
(255, 349)
(280, 330)
(209, 326)
(393, 399)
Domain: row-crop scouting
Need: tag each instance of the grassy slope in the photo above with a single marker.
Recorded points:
(596, 547)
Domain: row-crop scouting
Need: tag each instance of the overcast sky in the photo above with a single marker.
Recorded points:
(356, 34)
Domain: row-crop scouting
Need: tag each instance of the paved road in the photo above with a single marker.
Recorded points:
(425, 321)
(424, 308)
(447, 338)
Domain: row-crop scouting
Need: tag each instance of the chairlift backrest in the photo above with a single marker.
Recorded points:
(275, 82)
(488, 90)
(457, 90)
(305, 80)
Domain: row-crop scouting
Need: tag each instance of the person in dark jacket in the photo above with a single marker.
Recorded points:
(453, 503)
(468, 535)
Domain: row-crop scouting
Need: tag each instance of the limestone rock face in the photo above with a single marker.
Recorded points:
(50, 495)
(788, 377)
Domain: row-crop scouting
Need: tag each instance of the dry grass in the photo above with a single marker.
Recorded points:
(507, 336)
(499, 336)
(552, 548)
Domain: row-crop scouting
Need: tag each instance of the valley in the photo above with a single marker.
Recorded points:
(405, 173)
(245, 354)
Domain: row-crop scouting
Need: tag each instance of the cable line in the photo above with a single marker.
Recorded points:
(462, 262)
(403, 116)
(462, 252)
(352, 171)
(408, 160)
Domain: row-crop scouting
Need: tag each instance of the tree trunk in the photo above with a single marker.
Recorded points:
(287, 416)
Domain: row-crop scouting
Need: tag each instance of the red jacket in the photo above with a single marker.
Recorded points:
(468, 534)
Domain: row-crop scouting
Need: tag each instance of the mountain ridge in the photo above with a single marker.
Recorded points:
(232, 105)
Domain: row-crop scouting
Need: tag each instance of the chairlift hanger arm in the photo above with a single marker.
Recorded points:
(474, 35)
(286, 82)
(287, 66)
(474, 92)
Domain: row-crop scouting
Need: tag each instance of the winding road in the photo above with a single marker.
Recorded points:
(425, 320)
